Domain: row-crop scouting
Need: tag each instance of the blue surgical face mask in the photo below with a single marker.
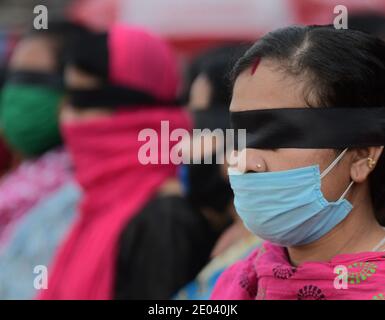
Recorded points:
(287, 207)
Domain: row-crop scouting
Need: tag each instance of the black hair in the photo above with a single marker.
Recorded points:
(338, 68)
(216, 64)
(89, 52)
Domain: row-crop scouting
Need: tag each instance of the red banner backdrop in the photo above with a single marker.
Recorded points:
(321, 11)
(96, 14)
(193, 24)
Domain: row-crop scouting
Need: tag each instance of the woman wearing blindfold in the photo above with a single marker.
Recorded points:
(136, 236)
(37, 195)
(310, 181)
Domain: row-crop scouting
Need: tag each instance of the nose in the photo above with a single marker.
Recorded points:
(248, 160)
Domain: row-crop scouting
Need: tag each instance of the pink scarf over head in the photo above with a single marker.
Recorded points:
(268, 275)
(105, 154)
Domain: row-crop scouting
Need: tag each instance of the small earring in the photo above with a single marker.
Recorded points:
(259, 166)
(371, 163)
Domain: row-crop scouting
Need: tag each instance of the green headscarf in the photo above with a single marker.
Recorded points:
(29, 118)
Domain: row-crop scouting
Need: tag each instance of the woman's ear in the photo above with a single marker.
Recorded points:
(364, 162)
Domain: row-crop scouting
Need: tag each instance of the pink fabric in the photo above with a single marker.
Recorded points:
(116, 185)
(267, 275)
(24, 187)
(143, 70)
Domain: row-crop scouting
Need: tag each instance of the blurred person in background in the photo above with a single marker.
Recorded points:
(136, 237)
(5, 154)
(369, 22)
(38, 197)
(206, 185)
(313, 102)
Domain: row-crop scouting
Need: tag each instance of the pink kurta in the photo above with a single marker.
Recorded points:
(268, 274)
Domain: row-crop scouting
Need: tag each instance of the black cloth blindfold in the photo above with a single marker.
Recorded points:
(212, 119)
(308, 128)
(114, 96)
(35, 78)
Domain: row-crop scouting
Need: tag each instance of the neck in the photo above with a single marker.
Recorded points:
(359, 232)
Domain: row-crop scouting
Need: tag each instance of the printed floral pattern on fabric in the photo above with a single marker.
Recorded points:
(310, 292)
(278, 279)
(283, 272)
(249, 278)
(380, 296)
(360, 271)
(248, 281)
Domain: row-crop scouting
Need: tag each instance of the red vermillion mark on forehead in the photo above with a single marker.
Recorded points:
(255, 65)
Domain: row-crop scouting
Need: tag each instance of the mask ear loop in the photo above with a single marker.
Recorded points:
(333, 164)
(346, 191)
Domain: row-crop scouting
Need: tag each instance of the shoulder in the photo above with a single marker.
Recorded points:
(239, 282)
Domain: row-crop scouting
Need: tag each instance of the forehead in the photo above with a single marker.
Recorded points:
(200, 93)
(268, 88)
(35, 53)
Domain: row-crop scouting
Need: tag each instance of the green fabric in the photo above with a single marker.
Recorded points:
(29, 118)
